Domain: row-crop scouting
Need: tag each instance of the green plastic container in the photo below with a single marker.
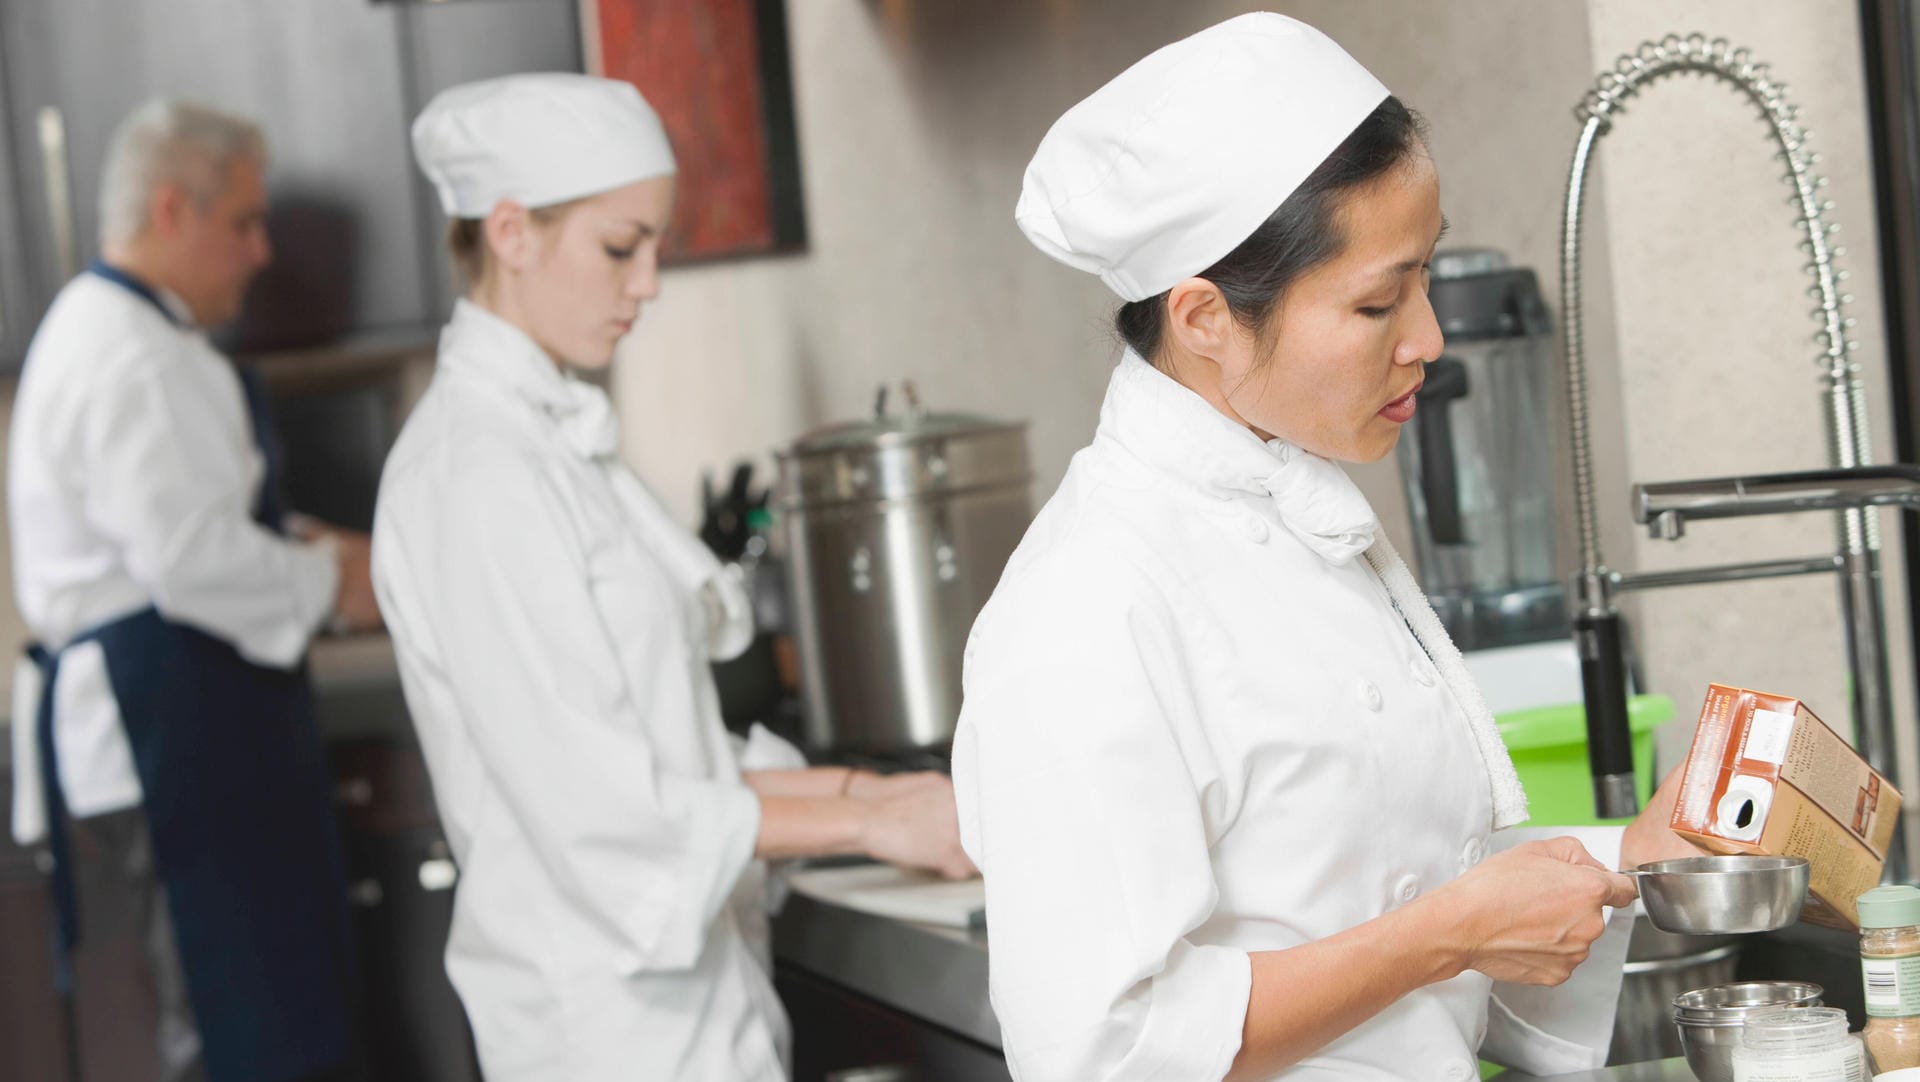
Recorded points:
(1549, 748)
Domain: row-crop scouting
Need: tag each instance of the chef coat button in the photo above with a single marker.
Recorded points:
(1423, 672)
(1257, 530)
(1370, 694)
(1407, 889)
(1475, 851)
(1459, 1072)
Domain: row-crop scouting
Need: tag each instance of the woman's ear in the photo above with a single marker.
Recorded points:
(509, 234)
(1200, 322)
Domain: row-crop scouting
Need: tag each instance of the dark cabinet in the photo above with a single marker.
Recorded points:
(400, 884)
(334, 84)
(114, 1012)
(842, 1036)
(32, 1043)
(400, 881)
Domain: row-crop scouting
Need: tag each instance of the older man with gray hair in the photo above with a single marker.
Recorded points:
(164, 711)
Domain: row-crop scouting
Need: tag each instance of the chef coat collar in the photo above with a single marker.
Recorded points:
(1179, 433)
(165, 301)
(481, 344)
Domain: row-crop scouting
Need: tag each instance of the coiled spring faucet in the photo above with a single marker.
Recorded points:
(1596, 621)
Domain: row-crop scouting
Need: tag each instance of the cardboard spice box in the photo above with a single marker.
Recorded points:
(1767, 776)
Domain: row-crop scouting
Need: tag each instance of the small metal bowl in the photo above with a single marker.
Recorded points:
(1723, 895)
(1710, 1019)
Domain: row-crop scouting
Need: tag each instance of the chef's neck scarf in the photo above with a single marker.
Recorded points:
(1175, 430)
(481, 344)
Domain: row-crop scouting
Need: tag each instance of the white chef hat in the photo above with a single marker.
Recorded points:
(537, 139)
(1163, 171)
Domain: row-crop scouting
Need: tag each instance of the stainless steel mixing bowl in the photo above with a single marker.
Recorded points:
(1710, 1019)
(1723, 895)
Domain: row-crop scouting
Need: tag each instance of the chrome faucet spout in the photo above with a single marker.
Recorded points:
(1667, 506)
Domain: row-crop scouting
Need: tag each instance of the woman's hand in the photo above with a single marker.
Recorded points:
(1529, 915)
(911, 821)
(1650, 836)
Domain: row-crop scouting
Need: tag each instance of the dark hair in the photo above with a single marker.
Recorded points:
(1297, 237)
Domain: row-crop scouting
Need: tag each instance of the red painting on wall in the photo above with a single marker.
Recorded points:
(718, 73)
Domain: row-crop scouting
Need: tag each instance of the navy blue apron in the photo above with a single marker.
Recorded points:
(244, 836)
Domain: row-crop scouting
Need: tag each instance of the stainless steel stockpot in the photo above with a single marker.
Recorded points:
(897, 530)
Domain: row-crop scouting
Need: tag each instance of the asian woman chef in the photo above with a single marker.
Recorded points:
(554, 628)
(1230, 784)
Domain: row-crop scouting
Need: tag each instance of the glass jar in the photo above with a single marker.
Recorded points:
(1799, 1044)
(1890, 967)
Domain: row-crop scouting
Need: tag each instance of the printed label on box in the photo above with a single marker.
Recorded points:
(1769, 735)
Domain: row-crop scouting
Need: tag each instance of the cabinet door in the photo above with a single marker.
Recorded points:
(400, 881)
(16, 309)
(322, 77)
(32, 1033)
(450, 44)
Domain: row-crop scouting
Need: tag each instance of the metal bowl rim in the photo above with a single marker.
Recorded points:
(1725, 864)
(1684, 1013)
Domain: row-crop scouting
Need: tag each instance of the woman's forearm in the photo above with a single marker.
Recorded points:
(1303, 998)
(810, 826)
(815, 781)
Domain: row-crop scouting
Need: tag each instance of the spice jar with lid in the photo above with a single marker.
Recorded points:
(1798, 1044)
(1890, 967)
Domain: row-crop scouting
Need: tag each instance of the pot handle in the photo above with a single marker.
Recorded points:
(908, 391)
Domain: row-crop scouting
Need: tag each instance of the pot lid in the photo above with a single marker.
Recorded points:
(898, 417)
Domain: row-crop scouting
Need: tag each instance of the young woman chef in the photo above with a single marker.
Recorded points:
(1228, 780)
(554, 628)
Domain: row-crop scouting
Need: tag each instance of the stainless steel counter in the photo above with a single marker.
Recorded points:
(1671, 1070)
(940, 976)
(936, 974)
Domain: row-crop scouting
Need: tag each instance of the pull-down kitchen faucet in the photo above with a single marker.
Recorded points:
(1596, 621)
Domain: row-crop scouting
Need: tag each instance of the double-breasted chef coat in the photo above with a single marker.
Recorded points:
(172, 619)
(554, 630)
(1195, 726)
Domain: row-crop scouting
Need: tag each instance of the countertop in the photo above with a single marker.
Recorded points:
(1666, 1070)
(356, 687)
(936, 974)
(939, 975)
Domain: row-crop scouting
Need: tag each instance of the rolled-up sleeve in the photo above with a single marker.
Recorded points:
(1080, 773)
(489, 576)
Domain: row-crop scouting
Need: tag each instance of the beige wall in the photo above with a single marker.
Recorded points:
(916, 120)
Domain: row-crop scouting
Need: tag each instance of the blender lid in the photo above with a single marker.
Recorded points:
(1476, 296)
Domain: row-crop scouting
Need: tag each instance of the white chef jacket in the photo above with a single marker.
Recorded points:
(131, 478)
(1195, 726)
(554, 629)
